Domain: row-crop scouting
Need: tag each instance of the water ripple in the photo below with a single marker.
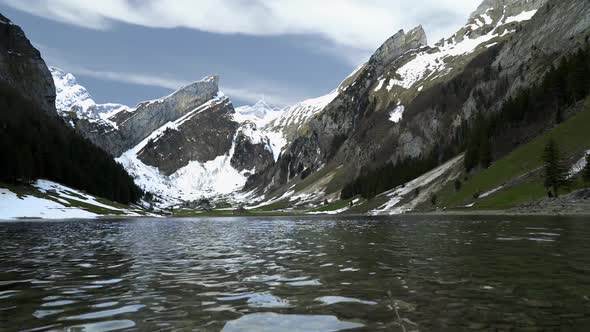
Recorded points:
(296, 273)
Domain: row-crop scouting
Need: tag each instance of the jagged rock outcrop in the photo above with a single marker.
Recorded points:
(202, 138)
(22, 67)
(252, 151)
(397, 45)
(138, 123)
(118, 128)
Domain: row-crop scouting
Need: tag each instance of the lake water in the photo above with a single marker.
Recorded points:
(297, 274)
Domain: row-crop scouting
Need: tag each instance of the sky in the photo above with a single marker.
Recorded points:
(282, 51)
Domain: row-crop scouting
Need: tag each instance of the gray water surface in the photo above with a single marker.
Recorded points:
(297, 274)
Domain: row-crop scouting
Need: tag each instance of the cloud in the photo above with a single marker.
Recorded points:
(359, 24)
(139, 79)
(272, 94)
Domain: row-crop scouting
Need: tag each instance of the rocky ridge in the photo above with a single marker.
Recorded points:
(22, 67)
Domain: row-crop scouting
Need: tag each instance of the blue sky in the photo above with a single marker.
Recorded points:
(126, 51)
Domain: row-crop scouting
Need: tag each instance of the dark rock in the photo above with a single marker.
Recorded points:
(203, 137)
(22, 67)
(249, 155)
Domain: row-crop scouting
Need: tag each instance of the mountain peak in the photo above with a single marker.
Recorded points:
(211, 79)
(69, 94)
(399, 44)
(260, 113)
(203, 90)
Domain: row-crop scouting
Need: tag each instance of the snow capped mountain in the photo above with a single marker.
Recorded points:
(205, 149)
(197, 179)
(70, 94)
(260, 113)
(188, 145)
(73, 97)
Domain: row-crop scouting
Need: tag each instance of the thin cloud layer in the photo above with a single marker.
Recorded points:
(362, 24)
(274, 95)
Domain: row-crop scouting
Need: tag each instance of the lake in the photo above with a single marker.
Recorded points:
(405, 273)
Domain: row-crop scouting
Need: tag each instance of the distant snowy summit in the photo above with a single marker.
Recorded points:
(73, 97)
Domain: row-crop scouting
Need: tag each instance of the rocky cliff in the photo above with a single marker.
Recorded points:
(22, 67)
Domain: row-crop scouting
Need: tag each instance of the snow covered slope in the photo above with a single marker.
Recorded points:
(404, 199)
(194, 181)
(429, 64)
(281, 126)
(50, 200)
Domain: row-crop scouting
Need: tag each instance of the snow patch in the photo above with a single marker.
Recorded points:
(330, 212)
(396, 115)
(491, 192)
(579, 165)
(46, 186)
(396, 195)
(58, 207)
(524, 16)
(380, 85)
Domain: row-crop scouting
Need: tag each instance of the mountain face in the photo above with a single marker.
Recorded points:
(408, 101)
(365, 116)
(411, 100)
(22, 67)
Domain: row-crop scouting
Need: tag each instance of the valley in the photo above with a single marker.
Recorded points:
(396, 136)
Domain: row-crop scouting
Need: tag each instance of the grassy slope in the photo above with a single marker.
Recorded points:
(572, 137)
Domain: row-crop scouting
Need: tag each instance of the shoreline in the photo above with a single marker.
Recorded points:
(478, 213)
(499, 213)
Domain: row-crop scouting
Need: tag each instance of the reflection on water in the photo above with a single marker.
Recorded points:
(271, 322)
(296, 274)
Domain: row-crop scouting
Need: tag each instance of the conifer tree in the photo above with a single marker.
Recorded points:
(556, 173)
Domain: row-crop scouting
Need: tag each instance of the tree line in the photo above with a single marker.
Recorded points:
(390, 176)
(34, 145)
